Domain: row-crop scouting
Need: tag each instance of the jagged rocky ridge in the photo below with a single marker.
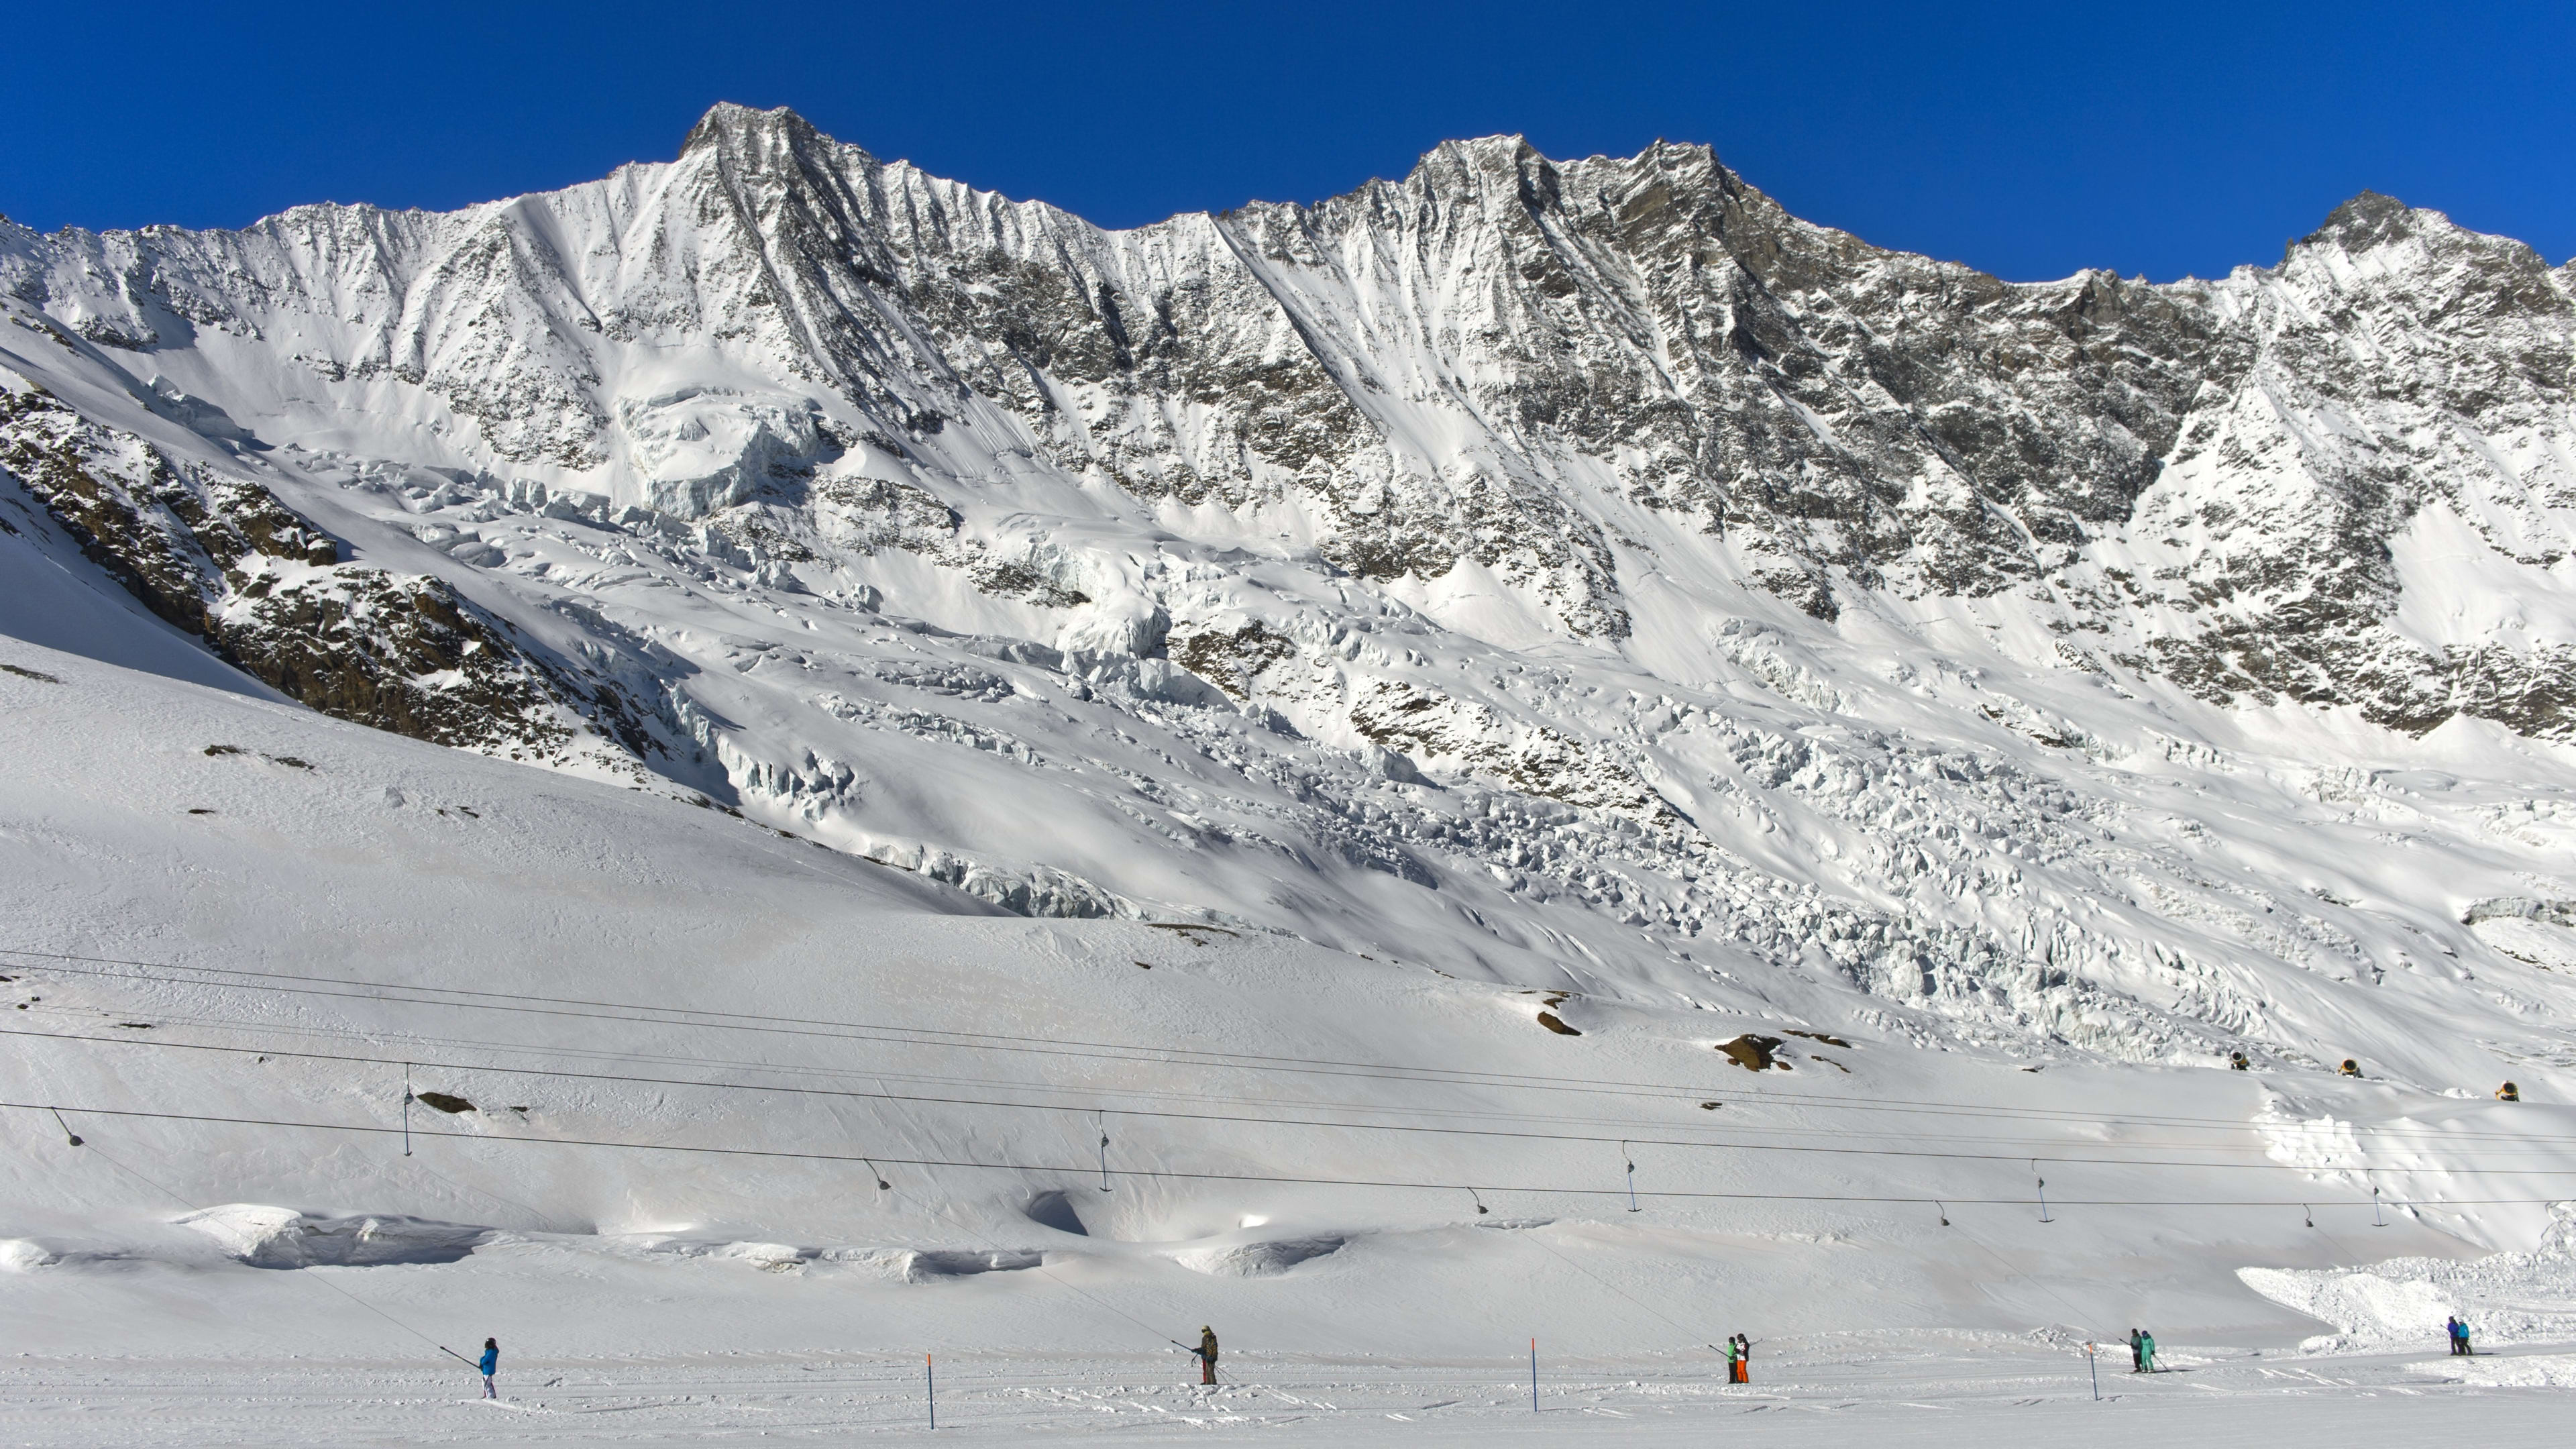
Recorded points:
(1544, 568)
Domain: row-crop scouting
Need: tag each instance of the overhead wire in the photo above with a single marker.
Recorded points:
(648, 1014)
(1090, 1092)
(89, 1146)
(1085, 1094)
(371, 1129)
(1040, 1266)
(1267, 1121)
(1192, 1058)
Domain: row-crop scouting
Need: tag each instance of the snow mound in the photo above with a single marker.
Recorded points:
(22, 1255)
(2504, 1297)
(277, 1237)
(918, 1265)
(767, 1257)
(1259, 1260)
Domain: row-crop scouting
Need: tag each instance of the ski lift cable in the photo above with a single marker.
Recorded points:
(2077, 1321)
(1265, 1119)
(193, 1206)
(1040, 1266)
(664, 1015)
(647, 1014)
(1535, 1241)
(544, 1219)
(1088, 1092)
(1282, 1178)
(1270, 1119)
(1979, 1110)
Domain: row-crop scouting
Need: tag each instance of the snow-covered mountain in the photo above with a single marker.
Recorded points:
(1579, 575)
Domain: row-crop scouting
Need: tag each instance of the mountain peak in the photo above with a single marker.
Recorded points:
(2363, 222)
(729, 125)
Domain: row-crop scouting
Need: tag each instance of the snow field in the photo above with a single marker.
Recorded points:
(1941, 1391)
(674, 1291)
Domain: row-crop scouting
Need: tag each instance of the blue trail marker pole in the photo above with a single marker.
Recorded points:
(1533, 1375)
(2094, 1371)
(930, 1378)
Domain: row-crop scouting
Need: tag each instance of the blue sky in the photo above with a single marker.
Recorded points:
(2030, 140)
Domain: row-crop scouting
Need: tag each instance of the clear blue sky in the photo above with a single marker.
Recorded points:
(2026, 139)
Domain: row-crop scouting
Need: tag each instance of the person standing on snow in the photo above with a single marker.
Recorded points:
(2137, 1354)
(1734, 1362)
(491, 1360)
(2460, 1339)
(1207, 1354)
(2147, 1352)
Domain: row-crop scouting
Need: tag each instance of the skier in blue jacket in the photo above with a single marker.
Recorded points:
(491, 1360)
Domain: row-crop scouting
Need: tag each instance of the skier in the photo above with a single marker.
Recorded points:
(1743, 1359)
(491, 1360)
(2460, 1339)
(2451, 1331)
(2137, 1354)
(1207, 1354)
(1734, 1364)
(2147, 1352)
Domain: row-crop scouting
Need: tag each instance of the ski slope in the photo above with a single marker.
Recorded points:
(694, 1291)
(1942, 1392)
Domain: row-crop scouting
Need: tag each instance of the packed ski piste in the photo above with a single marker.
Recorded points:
(748, 865)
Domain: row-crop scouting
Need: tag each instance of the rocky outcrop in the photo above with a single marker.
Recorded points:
(223, 560)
